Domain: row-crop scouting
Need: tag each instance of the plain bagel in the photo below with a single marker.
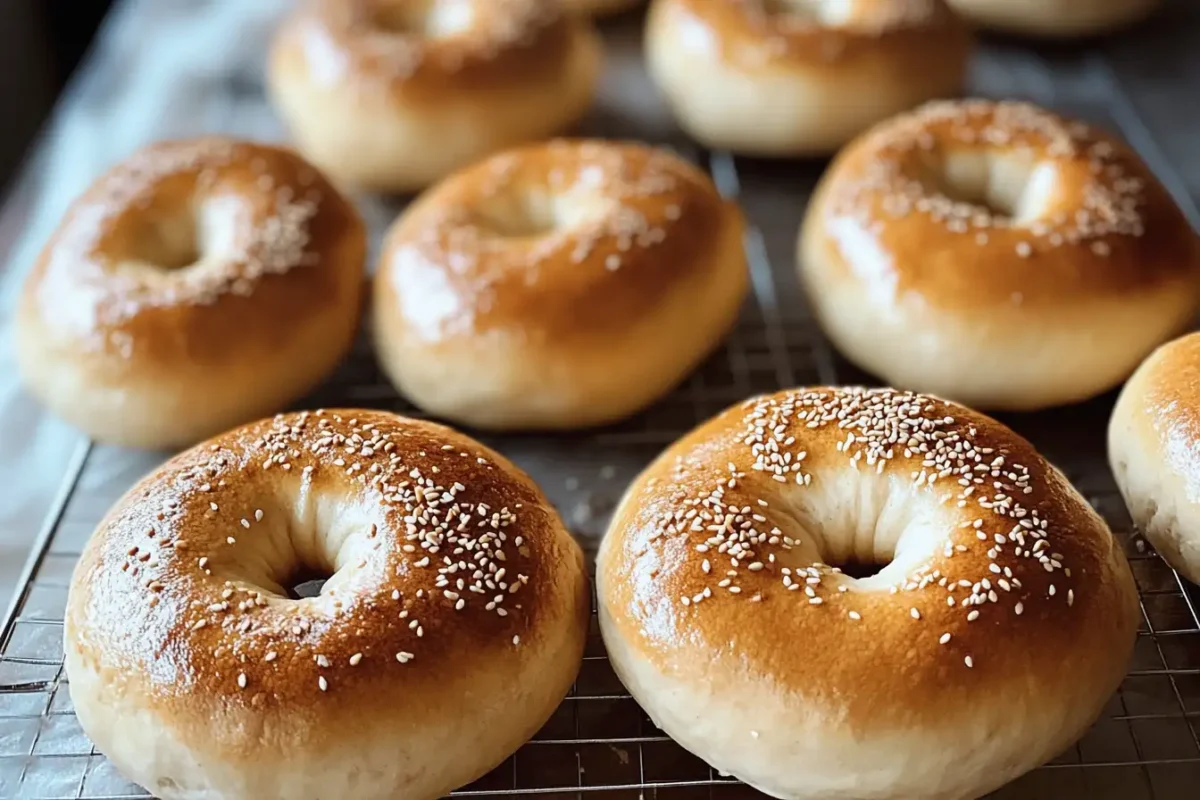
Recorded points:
(1152, 448)
(794, 77)
(393, 95)
(1000, 621)
(451, 625)
(558, 285)
(997, 254)
(195, 286)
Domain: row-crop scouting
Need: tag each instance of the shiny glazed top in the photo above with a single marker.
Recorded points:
(565, 241)
(977, 203)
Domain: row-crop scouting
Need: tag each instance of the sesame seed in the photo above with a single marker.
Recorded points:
(973, 615)
(241, 681)
(816, 601)
(970, 662)
(355, 659)
(516, 640)
(271, 656)
(854, 615)
(404, 657)
(914, 613)
(944, 638)
(1019, 609)
(322, 684)
(258, 515)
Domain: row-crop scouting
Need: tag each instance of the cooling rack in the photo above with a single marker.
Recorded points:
(599, 743)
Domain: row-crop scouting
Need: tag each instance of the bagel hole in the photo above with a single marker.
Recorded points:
(306, 584)
(428, 19)
(1006, 186)
(533, 213)
(861, 569)
(167, 243)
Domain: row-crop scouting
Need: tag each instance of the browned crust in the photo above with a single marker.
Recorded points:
(1162, 401)
(141, 608)
(339, 43)
(1110, 228)
(750, 34)
(650, 222)
(298, 253)
(887, 670)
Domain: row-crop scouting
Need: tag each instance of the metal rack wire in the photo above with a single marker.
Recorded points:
(1146, 747)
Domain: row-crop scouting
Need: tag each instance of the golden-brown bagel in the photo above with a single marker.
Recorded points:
(793, 77)
(1055, 18)
(452, 626)
(1152, 448)
(392, 95)
(558, 285)
(195, 286)
(1001, 621)
(998, 255)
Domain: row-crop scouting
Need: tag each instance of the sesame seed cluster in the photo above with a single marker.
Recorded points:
(361, 44)
(437, 549)
(880, 430)
(258, 239)
(886, 186)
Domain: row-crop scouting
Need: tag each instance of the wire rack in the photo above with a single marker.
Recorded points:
(599, 742)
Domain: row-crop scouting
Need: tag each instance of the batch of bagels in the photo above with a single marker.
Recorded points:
(828, 592)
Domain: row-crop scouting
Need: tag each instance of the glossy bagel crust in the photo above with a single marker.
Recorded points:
(452, 626)
(1055, 18)
(1001, 625)
(392, 96)
(1051, 301)
(756, 78)
(516, 293)
(1152, 448)
(197, 285)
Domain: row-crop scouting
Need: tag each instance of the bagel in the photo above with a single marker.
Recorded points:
(998, 255)
(1055, 18)
(392, 95)
(1000, 621)
(798, 78)
(197, 285)
(451, 626)
(1152, 448)
(557, 286)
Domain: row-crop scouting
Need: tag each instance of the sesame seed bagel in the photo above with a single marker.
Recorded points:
(1001, 621)
(392, 95)
(1055, 18)
(797, 77)
(197, 285)
(997, 254)
(451, 627)
(1152, 448)
(516, 293)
